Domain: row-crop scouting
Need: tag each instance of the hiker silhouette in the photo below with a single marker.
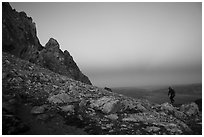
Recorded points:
(171, 94)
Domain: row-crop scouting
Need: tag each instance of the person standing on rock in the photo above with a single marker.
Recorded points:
(171, 94)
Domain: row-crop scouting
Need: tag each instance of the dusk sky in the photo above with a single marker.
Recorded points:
(125, 44)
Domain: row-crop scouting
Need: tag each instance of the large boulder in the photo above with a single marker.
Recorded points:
(133, 107)
(107, 105)
(190, 109)
(171, 110)
(68, 108)
(38, 109)
(167, 107)
(112, 116)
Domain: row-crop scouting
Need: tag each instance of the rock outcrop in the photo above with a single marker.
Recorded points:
(19, 35)
(20, 39)
(60, 62)
(190, 109)
(38, 101)
(109, 89)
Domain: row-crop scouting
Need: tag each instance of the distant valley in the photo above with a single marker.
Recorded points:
(158, 94)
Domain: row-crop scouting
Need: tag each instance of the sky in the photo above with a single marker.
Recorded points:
(125, 44)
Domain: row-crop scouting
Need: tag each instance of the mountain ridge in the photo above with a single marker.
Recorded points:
(20, 39)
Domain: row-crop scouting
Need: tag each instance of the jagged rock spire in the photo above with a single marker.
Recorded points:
(52, 43)
(19, 38)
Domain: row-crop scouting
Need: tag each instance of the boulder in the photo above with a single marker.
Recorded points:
(190, 109)
(68, 108)
(141, 108)
(112, 116)
(38, 109)
(60, 98)
(109, 125)
(133, 107)
(128, 104)
(170, 109)
(167, 107)
(179, 115)
(106, 105)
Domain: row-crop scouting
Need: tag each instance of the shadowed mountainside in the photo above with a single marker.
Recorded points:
(19, 38)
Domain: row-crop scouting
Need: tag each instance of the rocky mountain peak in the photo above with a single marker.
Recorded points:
(52, 43)
(66, 53)
(19, 38)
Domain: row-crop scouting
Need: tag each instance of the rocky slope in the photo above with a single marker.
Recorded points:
(19, 38)
(38, 101)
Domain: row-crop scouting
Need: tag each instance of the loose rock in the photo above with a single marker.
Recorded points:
(190, 109)
(112, 116)
(38, 109)
(152, 129)
(60, 98)
(68, 108)
(107, 105)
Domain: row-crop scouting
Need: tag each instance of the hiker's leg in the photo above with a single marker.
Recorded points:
(172, 100)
